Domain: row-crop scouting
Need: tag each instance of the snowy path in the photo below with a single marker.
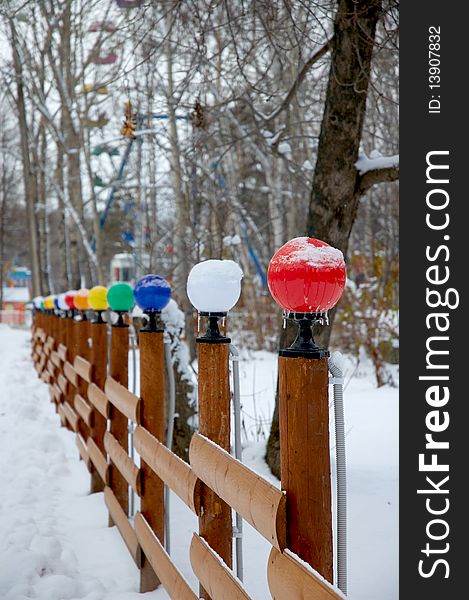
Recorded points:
(54, 539)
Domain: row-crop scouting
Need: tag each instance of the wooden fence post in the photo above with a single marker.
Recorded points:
(215, 524)
(152, 419)
(306, 277)
(83, 350)
(119, 427)
(98, 334)
(70, 335)
(305, 460)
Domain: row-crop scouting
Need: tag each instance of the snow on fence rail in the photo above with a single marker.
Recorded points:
(93, 404)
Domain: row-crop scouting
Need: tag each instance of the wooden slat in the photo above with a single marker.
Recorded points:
(70, 374)
(126, 530)
(63, 419)
(63, 383)
(215, 576)
(51, 369)
(83, 409)
(58, 392)
(98, 399)
(55, 358)
(97, 458)
(123, 462)
(172, 580)
(126, 402)
(255, 499)
(45, 376)
(290, 578)
(81, 447)
(62, 352)
(71, 415)
(177, 474)
(83, 368)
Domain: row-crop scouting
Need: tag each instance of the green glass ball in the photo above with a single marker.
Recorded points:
(120, 297)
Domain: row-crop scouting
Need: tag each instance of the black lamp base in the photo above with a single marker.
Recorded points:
(154, 323)
(304, 345)
(120, 319)
(213, 335)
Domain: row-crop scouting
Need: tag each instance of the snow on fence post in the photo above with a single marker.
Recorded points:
(98, 335)
(306, 278)
(152, 294)
(120, 299)
(214, 287)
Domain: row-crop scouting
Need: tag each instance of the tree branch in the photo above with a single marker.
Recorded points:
(375, 176)
(299, 80)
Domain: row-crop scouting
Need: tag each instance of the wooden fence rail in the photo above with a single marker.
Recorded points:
(85, 396)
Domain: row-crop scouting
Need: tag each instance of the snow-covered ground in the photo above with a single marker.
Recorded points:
(54, 539)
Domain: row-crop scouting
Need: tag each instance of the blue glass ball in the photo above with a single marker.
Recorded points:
(152, 292)
(56, 302)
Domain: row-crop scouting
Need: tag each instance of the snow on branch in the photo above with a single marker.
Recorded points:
(365, 164)
(376, 169)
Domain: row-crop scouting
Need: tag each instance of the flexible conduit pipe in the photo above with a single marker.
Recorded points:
(338, 385)
(169, 435)
(133, 347)
(238, 531)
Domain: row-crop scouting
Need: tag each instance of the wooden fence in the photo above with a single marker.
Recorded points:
(92, 399)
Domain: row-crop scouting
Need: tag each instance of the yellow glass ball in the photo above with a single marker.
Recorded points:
(97, 298)
(81, 299)
(49, 302)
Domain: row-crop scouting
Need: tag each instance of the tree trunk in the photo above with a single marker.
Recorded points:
(182, 252)
(336, 191)
(29, 178)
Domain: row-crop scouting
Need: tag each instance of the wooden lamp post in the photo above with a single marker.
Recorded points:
(98, 334)
(120, 297)
(152, 293)
(214, 287)
(306, 278)
(82, 333)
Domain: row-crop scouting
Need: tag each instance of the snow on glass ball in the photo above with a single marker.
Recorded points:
(307, 275)
(97, 298)
(152, 292)
(214, 285)
(120, 297)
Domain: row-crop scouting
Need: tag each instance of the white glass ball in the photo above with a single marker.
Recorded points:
(214, 285)
(61, 302)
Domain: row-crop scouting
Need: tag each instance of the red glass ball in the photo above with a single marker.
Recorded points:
(70, 299)
(307, 275)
